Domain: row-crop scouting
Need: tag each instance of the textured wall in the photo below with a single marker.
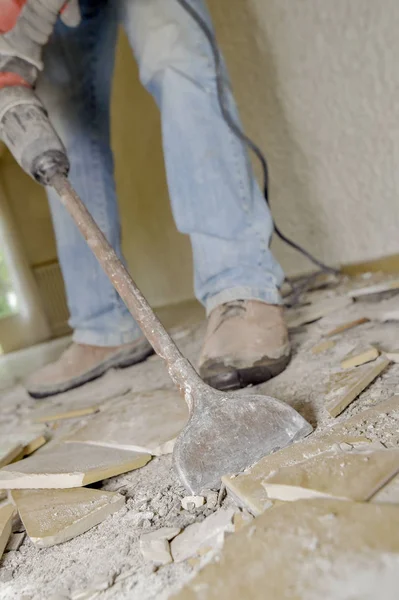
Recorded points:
(318, 87)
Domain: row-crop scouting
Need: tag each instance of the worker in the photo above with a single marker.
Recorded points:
(214, 195)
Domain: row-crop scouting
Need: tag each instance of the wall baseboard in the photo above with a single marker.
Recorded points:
(387, 264)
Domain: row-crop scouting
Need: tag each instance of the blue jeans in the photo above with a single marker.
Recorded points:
(214, 195)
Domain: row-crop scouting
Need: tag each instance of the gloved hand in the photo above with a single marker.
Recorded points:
(25, 27)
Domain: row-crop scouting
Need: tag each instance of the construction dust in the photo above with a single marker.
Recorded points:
(106, 561)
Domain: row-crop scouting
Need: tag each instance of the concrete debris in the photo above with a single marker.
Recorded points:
(154, 546)
(353, 458)
(192, 502)
(211, 499)
(156, 551)
(393, 356)
(209, 533)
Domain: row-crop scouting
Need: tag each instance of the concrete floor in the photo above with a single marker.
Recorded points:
(106, 562)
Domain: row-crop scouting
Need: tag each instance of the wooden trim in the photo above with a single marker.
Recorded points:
(387, 264)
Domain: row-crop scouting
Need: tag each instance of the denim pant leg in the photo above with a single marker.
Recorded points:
(215, 197)
(75, 87)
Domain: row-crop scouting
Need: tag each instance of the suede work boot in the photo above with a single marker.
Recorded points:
(80, 364)
(246, 342)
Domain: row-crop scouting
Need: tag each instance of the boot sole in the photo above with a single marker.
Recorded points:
(229, 378)
(99, 371)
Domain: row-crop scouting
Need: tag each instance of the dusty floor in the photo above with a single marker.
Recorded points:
(106, 561)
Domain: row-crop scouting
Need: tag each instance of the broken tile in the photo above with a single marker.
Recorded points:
(346, 326)
(69, 466)
(209, 533)
(156, 551)
(55, 516)
(47, 415)
(34, 444)
(359, 357)
(9, 451)
(6, 515)
(15, 542)
(144, 422)
(155, 546)
(190, 502)
(307, 549)
(323, 346)
(164, 533)
(345, 386)
(247, 488)
(315, 311)
(242, 519)
(354, 475)
(389, 494)
(29, 439)
(379, 288)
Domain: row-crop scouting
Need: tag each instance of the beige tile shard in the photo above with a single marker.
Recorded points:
(34, 444)
(56, 414)
(242, 519)
(346, 326)
(354, 475)
(208, 534)
(9, 451)
(389, 494)
(247, 488)
(323, 347)
(28, 440)
(6, 515)
(345, 386)
(70, 466)
(379, 288)
(143, 422)
(310, 549)
(55, 516)
(15, 542)
(360, 357)
(316, 311)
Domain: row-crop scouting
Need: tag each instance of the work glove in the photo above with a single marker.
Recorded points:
(25, 28)
(26, 25)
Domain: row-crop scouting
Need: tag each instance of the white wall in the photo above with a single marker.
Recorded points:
(318, 87)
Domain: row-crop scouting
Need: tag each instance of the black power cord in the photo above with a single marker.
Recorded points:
(236, 129)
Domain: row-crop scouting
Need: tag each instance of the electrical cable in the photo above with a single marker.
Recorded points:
(238, 132)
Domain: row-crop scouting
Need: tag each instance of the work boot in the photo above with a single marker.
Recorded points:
(80, 364)
(246, 342)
